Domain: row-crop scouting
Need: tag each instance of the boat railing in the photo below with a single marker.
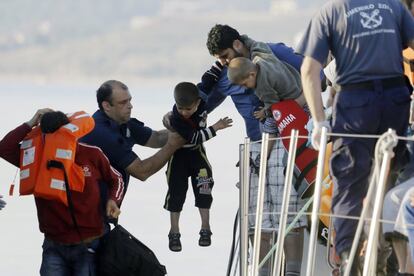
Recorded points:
(383, 156)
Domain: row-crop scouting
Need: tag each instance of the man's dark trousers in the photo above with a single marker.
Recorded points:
(364, 109)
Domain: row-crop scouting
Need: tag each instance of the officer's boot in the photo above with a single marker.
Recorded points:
(355, 269)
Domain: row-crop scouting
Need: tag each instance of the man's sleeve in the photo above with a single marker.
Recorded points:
(260, 49)
(112, 178)
(123, 157)
(210, 77)
(221, 90)
(287, 55)
(139, 132)
(114, 145)
(213, 100)
(315, 41)
(407, 25)
(227, 88)
(10, 144)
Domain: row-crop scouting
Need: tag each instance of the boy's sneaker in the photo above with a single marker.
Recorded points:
(174, 242)
(205, 237)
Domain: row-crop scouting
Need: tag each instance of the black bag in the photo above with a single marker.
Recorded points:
(120, 253)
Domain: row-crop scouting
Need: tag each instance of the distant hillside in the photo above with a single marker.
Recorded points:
(134, 39)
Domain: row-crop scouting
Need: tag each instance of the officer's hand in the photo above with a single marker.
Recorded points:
(317, 131)
(34, 121)
(166, 121)
(2, 202)
(112, 209)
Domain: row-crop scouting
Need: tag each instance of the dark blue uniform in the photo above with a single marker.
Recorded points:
(116, 141)
(366, 38)
(190, 161)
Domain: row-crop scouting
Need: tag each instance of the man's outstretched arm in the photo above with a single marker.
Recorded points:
(157, 139)
(142, 169)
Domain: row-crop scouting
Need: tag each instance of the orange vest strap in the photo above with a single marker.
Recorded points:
(408, 57)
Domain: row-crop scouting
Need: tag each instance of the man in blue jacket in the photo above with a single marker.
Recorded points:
(225, 43)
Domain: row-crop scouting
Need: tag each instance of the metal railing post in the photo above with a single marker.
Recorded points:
(370, 263)
(244, 171)
(259, 207)
(285, 201)
(316, 202)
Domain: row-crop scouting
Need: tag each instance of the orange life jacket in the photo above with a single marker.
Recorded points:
(37, 149)
(408, 55)
(327, 188)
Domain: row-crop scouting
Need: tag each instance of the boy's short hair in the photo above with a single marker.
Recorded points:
(239, 69)
(185, 94)
(52, 121)
(220, 38)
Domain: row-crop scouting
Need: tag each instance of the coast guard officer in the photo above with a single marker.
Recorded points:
(366, 37)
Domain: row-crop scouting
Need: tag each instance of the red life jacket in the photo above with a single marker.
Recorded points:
(37, 149)
(289, 115)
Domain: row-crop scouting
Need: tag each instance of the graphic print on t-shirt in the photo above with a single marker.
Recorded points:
(371, 18)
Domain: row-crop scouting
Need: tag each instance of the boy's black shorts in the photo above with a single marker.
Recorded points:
(189, 162)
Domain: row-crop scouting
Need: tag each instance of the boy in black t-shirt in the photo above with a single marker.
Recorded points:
(189, 119)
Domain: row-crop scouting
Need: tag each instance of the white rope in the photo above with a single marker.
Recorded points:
(331, 134)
